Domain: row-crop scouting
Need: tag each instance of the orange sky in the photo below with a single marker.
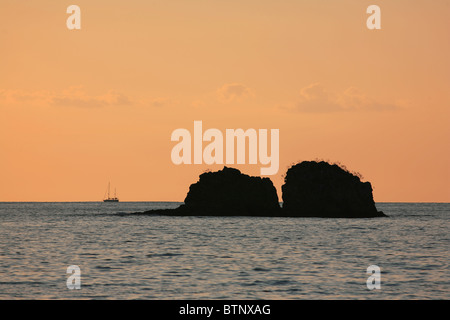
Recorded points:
(79, 108)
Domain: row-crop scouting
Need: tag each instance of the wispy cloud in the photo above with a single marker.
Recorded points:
(72, 97)
(233, 91)
(354, 99)
(19, 96)
(160, 102)
(315, 98)
(76, 97)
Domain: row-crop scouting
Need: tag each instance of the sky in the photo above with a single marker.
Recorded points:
(80, 108)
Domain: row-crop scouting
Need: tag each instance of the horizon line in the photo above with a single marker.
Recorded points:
(174, 201)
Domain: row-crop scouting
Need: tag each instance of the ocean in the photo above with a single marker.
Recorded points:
(123, 256)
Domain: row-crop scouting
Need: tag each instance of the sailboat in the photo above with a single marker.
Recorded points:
(109, 199)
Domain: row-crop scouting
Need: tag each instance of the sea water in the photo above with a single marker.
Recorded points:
(123, 256)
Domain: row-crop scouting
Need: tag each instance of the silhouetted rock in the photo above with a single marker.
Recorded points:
(319, 189)
(228, 192)
(311, 189)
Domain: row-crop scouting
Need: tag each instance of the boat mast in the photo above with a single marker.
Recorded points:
(108, 189)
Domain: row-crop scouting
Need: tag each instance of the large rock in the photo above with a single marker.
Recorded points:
(319, 189)
(230, 192)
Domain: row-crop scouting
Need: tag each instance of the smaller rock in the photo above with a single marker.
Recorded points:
(320, 189)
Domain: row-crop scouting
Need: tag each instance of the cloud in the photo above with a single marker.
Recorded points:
(72, 97)
(316, 99)
(160, 102)
(76, 97)
(18, 96)
(233, 91)
(354, 99)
